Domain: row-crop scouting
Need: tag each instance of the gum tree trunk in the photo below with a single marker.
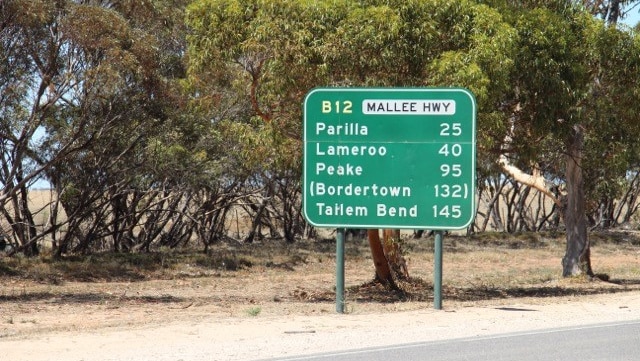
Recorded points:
(577, 258)
(387, 257)
(383, 271)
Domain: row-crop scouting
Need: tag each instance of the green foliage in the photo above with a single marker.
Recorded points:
(202, 100)
(265, 55)
(252, 62)
(254, 311)
(552, 70)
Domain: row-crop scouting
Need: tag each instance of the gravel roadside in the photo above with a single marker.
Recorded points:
(269, 337)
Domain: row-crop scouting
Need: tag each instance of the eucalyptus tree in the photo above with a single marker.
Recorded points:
(17, 127)
(571, 108)
(425, 43)
(251, 62)
(86, 91)
(119, 192)
(31, 44)
(617, 198)
(611, 11)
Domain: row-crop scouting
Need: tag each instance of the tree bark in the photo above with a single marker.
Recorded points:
(577, 258)
(393, 252)
(383, 271)
(387, 257)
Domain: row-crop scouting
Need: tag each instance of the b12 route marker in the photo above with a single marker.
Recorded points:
(389, 157)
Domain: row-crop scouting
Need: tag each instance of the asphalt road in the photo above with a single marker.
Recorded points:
(607, 342)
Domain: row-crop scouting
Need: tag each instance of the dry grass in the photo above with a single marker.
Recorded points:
(107, 290)
(482, 267)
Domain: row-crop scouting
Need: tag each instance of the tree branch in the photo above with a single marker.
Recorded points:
(535, 180)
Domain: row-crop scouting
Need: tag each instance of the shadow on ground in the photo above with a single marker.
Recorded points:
(417, 290)
(87, 298)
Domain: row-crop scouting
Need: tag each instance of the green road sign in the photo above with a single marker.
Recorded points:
(389, 157)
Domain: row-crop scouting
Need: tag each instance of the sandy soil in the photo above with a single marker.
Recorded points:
(174, 333)
(281, 309)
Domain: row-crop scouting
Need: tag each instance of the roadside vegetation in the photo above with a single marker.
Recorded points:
(168, 133)
(493, 267)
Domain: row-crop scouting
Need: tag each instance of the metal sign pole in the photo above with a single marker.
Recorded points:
(437, 271)
(340, 270)
(352, 133)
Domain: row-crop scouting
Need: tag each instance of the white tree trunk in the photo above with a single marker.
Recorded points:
(577, 258)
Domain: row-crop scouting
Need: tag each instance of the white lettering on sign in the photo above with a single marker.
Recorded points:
(341, 129)
(339, 209)
(382, 210)
(346, 170)
(408, 107)
(374, 190)
(344, 150)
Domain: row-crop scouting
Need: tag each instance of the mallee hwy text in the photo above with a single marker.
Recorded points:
(418, 107)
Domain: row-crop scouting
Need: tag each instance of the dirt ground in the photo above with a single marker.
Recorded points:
(272, 299)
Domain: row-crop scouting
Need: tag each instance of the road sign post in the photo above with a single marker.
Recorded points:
(340, 235)
(389, 158)
(437, 270)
